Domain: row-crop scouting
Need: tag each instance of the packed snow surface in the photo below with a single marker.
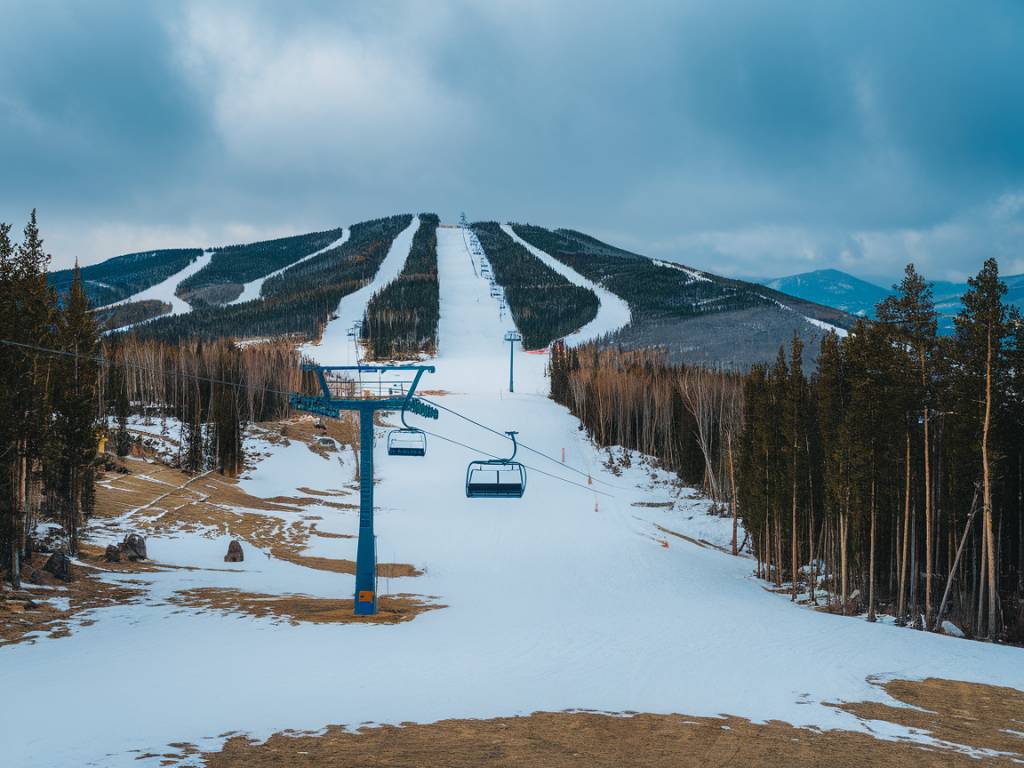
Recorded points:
(565, 599)
(252, 289)
(164, 290)
(612, 313)
(337, 345)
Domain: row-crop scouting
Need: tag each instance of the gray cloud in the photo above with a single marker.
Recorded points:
(746, 138)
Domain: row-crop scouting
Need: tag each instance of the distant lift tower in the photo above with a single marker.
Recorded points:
(512, 337)
(374, 388)
(463, 222)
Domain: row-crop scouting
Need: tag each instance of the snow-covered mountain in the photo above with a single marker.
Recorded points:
(289, 287)
(833, 289)
(844, 291)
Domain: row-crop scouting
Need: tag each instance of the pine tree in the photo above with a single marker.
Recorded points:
(981, 332)
(74, 402)
(911, 313)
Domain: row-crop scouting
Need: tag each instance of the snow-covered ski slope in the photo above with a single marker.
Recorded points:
(561, 600)
(164, 290)
(251, 290)
(612, 313)
(336, 345)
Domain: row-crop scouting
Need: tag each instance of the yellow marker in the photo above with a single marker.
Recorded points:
(366, 596)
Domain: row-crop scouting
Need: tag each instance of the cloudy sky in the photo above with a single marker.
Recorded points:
(747, 138)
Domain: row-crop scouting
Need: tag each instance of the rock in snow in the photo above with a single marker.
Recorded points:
(949, 628)
(235, 554)
(134, 547)
(59, 564)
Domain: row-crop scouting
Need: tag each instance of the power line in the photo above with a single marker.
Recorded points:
(518, 442)
(527, 466)
(104, 361)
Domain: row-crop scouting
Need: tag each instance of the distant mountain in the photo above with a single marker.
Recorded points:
(841, 290)
(833, 289)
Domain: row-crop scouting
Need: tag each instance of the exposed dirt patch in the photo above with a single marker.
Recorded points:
(961, 713)
(554, 740)
(296, 609)
(28, 610)
(334, 565)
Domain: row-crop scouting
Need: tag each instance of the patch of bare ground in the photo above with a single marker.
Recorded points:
(25, 612)
(984, 716)
(557, 740)
(684, 537)
(156, 499)
(337, 565)
(297, 609)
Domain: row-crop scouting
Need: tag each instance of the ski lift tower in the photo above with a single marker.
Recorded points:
(512, 337)
(463, 222)
(341, 392)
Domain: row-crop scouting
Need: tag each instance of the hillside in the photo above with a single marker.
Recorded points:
(834, 288)
(292, 286)
(699, 317)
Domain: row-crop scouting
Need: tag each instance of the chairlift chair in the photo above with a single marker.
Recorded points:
(407, 441)
(496, 478)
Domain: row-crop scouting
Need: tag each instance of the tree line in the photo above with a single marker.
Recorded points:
(120, 277)
(896, 470)
(545, 305)
(653, 292)
(401, 318)
(299, 301)
(48, 401)
(884, 477)
(63, 389)
(233, 265)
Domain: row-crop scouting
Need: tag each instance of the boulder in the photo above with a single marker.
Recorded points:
(949, 628)
(59, 564)
(113, 553)
(134, 547)
(235, 554)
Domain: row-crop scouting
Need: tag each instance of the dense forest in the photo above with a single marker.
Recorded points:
(545, 306)
(120, 277)
(651, 290)
(47, 434)
(297, 302)
(889, 481)
(401, 318)
(129, 313)
(230, 267)
(64, 389)
(635, 399)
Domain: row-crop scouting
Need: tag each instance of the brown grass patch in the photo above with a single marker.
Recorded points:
(297, 609)
(958, 712)
(561, 740)
(24, 612)
(338, 565)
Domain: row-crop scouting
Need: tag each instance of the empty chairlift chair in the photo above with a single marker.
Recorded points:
(407, 441)
(496, 478)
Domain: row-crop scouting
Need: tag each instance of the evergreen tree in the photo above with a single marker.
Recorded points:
(74, 433)
(981, 332)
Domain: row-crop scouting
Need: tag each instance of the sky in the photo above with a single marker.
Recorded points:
(746, 138)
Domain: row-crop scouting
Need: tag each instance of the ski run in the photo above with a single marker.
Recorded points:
(577, 596)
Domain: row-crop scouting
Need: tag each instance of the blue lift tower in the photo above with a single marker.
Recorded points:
(365, 389)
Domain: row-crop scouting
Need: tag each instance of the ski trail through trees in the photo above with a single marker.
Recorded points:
(613, 312)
